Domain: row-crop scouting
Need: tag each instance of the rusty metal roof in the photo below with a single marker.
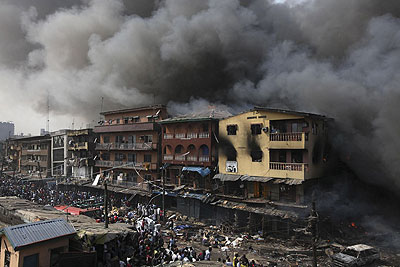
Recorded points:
(27, 234)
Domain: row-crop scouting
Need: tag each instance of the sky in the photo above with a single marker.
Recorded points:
(339, 58)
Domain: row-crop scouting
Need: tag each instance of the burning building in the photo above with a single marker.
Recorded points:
(272, 153)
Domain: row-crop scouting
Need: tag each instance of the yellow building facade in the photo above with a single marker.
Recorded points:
(270, 148)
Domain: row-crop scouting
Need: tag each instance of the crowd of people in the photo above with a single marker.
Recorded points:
(146, 247)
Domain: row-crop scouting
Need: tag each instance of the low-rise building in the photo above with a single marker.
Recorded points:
(129, 144)
(271, 153)
(189, 147)
(81, 145)
(34, 155)
(35, 244)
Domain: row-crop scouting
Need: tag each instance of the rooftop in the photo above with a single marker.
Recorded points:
(210, 114)
(133, 109)
(287, 111)
(32, 233)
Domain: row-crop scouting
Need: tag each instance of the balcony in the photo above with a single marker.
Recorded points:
(204, 158)
(191, 135)
(168, 157)
(288, 170)
(180, 135)
(134, 127)
(287, 140)
(204, 135)
(186, 136)
(180, 158)
(191, 158)
(126, 165)
(168, 136)
(126, 146)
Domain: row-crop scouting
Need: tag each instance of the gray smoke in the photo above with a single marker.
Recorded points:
(336, 57)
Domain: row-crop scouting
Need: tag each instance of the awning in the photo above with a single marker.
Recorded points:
(202, 171)
(227, 177)
(234, 177)
(288, 181)
(255, 178)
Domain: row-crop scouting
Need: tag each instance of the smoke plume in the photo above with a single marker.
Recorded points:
(336, 57)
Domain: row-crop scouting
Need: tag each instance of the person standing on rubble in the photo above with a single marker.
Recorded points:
(236, 260)
(208, 254)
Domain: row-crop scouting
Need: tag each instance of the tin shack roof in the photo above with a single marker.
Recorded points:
(31, 233)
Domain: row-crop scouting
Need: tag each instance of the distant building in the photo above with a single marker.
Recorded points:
(272, 153)
(43, 132)
(81, 144)
(189, 146)
(35, 244)
(6, 130)
(129, 144)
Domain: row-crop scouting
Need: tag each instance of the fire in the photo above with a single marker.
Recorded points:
(353, 224)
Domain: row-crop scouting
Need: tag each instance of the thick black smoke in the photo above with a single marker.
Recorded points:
(336, 57)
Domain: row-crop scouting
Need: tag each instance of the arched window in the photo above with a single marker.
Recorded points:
(204, 150)
(179, 149)
(167, 150)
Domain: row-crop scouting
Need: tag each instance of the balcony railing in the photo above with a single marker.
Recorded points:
(180, 158)
(204, 135)
(126, 146)
(288, 166)
(192, 135)
(126, 164)
(180, 135)
(168, 136)
(204, 158)
(286, 137)
(186, 136)
(168, 157)
(191, 158)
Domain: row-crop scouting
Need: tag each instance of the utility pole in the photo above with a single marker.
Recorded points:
(313, 224)
(40, 173)
(2, 165)
(163, 193)
(105, 204)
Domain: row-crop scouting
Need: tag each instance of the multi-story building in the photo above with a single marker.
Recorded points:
(129, 143)
(189, 146)
(35, 155)
(12, 153)
(81, 144)
(60, 154)
(271, 153)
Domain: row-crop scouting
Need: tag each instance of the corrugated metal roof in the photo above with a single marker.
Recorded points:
(255, 178)
(234, 177)
(31, 233)
(227, 177)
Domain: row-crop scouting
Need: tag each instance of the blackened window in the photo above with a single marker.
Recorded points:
(118, 121)
(105, 156)
(231, 129)
(131, 157)
(255, 129)
(147, 157)
(256, 156)
(106, 139)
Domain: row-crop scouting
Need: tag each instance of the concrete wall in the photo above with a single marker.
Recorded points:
(244, 140)
(42, 248)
